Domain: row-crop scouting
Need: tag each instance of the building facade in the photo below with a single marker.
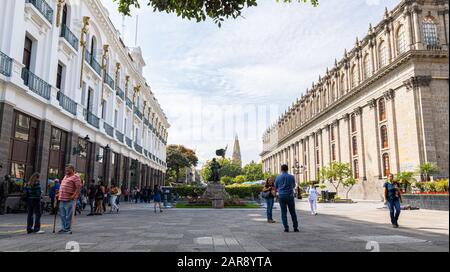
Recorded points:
(71, 92)
(383, 108)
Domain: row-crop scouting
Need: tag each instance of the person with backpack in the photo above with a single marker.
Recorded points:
(32, 196)
(269, 194)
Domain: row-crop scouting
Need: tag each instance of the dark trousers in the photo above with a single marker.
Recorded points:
(288, 202)
(394, 210)
(92, 205)
(34, 210)
(270, 202)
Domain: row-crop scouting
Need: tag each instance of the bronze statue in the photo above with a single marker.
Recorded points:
(215, 166)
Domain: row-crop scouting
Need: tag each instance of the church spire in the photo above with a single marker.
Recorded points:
(237, 152)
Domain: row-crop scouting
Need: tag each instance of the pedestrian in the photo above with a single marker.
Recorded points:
(392, 198)
(113, 200)
(312, 198)
(285, 185)
(52, 194)
(67, 195)
(157, 197)
(99, 198)
(269, 194)
(32, 195)
(106, 198)
(4, 191)
(91, 197)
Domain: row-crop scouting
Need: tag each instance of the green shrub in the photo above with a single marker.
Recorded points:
(240, 179)
(225, 180)
(188, 190)
(244, 190)
(441, 185)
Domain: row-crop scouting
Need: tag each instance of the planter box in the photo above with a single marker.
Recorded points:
(430, 202)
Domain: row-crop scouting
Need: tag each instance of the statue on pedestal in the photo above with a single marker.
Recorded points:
(215, 166)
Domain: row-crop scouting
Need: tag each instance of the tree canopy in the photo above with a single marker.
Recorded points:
(179, 157)
(199, 10)
(228, 169)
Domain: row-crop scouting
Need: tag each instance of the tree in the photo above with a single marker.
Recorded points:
(336, 173)
(228, 168)
(199, 10)
(253, 171)
(426, 170)
(348, 184)
(405, 178)
(179, 157)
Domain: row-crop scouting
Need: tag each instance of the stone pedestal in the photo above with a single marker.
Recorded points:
(217, 194)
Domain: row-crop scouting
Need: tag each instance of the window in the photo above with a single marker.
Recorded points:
(353, 123)
(342, 85)
(401, 40)
(22, 130)
(93, 47)
(333, 152)
(356, 169)
(64, 16)
(386, 165)
(104, 109)
(59, 75)
(355, 76)
(355, 146)
(384, 137)
(332, 133)
(381, 110)
(27, 50)
(317, 156)
(55, 141)
(430, 33)
(317, 140)
(383, 54)
(367, 67)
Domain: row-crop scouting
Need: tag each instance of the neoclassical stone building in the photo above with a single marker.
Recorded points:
(72, 92)
(383, 108)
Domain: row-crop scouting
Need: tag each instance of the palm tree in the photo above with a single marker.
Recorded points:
(426, 170)
(405, 178)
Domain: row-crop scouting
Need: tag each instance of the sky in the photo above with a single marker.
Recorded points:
(215, 83)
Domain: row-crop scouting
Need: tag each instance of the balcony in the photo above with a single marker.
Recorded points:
(145, 152)
(129, 103)
(138, 113)
(108, 129)
(69, 37)
(66, 103)
(89, 58)
(36, 84)
(119, 136)
(146, 122)
(92, 119)
(109, 81)
(129, 142)
(5, 65)
(120, 93)
(43, 8)
(138, 148)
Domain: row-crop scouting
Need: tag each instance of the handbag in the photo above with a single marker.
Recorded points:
(265, 194)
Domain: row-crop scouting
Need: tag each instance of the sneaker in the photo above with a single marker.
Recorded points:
(61, 231)
(316, 214)
(296, 230)
(286, 230)
(394, 226)
(39, 232)
(30, 232)
(90, 214)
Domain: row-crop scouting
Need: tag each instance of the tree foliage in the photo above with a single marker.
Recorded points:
(228, 168)
(253, 171)
(427, 169)
(337, 173)
(178, 158)
(199, 10)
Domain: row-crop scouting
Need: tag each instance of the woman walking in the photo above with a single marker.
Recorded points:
(99, 198)
(312, 198)
(269, 195)
(114, 195)
(157, 198)
(392, 198)
(32, 195)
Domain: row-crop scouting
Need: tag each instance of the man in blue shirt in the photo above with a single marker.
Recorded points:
(285, 185)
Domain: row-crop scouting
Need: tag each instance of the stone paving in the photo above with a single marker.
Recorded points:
(338, 227)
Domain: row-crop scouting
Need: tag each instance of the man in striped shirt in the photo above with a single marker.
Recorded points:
(67, 196)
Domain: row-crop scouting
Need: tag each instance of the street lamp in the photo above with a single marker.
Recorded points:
(298, 169)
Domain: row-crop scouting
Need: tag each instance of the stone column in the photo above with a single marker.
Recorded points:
(418, 45)
(6, 127)
(373, 105)
(361, 147)
(444, 27)
(389, 97)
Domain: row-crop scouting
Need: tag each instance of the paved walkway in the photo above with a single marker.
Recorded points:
(338, 227)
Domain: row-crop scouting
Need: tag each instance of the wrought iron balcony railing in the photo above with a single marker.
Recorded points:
(43, 8)
(108, 129)
(138, 148)
(69, 37)
(109, 81)
(66, 103)
(36, 84)
(5, 64)
(138, 113)
(92, 118)
(89, 58)
(119, 136)
(129, 142)
(120, 93)
(129, 103)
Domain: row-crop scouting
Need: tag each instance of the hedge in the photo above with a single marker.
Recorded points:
(188, 190)
(439, 186)
(244, 190)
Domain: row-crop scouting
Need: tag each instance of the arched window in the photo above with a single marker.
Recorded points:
(354, 146)
(342, 85)
(355, 169)
(401, 40)
(381, 110)
(332, 132)
(384, 137)
(383, 54)
(93, 47)
(317, 157)
(386, 165)
(430, 33)
(353, 123)
(355, 76)
(367, 67)
(333, 152)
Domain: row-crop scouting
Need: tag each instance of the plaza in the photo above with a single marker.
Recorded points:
(337, 228)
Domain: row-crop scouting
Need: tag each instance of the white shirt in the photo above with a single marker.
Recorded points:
(312, 193)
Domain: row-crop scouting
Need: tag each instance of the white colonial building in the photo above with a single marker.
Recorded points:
(72, 92)
(383, 107)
